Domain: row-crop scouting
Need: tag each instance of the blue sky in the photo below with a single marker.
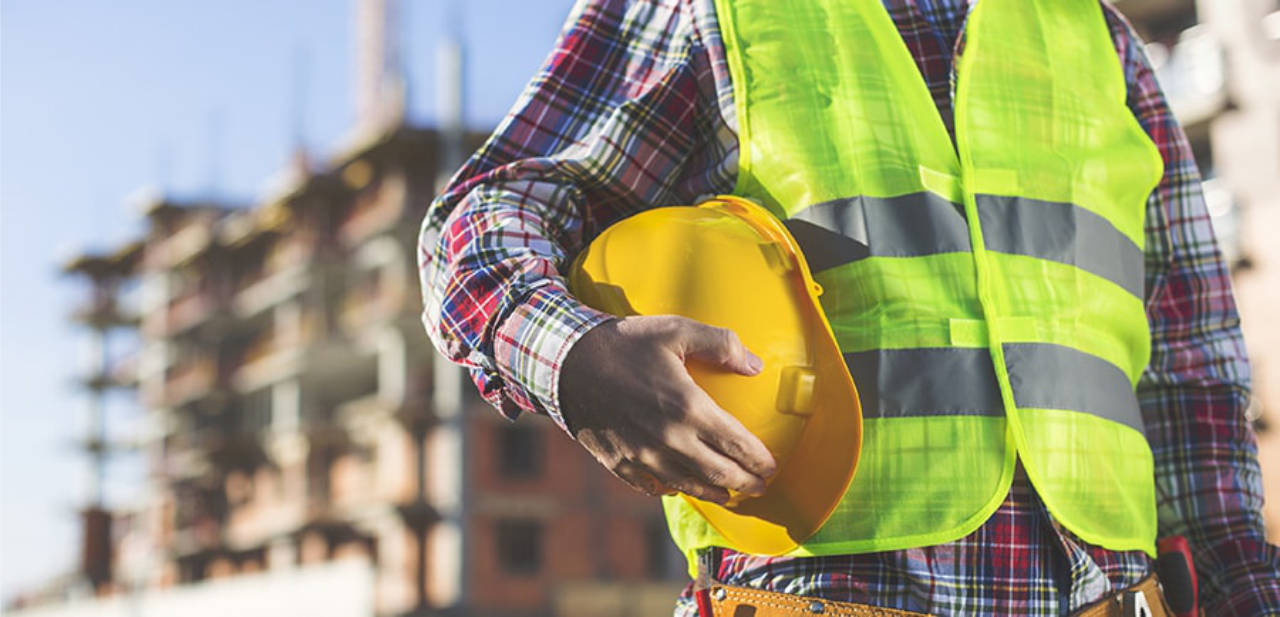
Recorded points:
(98, 99)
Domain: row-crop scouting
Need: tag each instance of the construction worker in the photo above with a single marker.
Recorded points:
(1045, 176)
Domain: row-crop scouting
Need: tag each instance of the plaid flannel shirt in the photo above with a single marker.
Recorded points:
(634, 109)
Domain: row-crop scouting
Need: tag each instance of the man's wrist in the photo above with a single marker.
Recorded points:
(531, 344)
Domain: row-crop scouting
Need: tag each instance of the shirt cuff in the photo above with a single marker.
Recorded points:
(531, 343)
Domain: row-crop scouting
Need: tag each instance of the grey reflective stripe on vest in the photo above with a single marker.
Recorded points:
(951, 381)
(1064, 233)
(842, 231)
(1046, 376)
(960, 381)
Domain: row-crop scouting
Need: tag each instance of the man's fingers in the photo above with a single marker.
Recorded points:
(671, 472)
(717, 469)
(642, 479)
(662, 476)
(718, 346)
(718, 430)
(726, 435)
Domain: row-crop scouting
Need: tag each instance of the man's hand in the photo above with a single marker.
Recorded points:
(627, 398)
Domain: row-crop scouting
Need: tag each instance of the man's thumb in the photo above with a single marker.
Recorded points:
(721, 347)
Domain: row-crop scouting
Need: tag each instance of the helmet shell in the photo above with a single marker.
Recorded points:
(729, 263)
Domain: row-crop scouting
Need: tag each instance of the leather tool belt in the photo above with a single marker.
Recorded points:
(1142, 600)
(1146, 599)
(722, 600)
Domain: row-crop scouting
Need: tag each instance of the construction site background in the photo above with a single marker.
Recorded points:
(307, 451)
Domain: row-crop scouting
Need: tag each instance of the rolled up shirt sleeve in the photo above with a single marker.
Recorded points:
(622, 117)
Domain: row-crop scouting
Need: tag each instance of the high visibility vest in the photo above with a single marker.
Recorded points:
(987, 296)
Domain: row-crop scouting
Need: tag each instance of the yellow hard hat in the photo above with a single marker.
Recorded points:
(731, 264)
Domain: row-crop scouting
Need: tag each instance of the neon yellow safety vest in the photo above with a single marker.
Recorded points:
(987, 296)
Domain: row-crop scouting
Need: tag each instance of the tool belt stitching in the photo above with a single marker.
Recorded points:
(726, 597)
(792, 604)
(763, 598)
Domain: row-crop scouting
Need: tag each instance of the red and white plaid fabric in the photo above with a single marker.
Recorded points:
(634, 109)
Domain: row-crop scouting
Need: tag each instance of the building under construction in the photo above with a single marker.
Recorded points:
(307, 451)
(299, 417)
(309, 454)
